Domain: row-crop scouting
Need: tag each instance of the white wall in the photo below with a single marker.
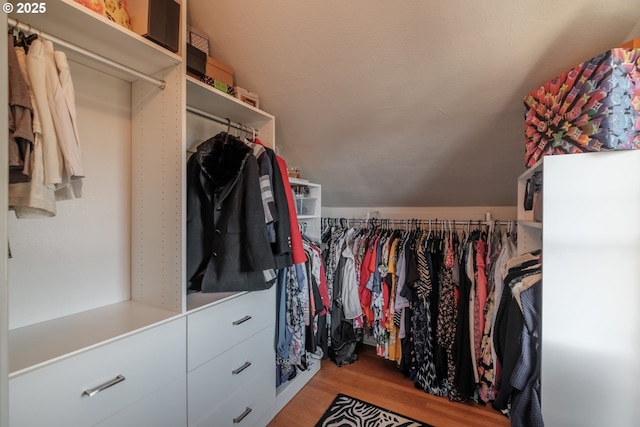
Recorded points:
(504, 213)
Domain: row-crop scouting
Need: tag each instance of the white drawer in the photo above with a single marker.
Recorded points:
(226, 383)
(166, 407)
(53, 395)
(245, 409)
(215, 329)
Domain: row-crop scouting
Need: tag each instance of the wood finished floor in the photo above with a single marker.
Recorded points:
(379, 381)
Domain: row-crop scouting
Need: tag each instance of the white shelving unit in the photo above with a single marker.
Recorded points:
(209, 100)
(529, 231)
(308, 198)
(152, 184)
(106, 276)
(198, 129)
(231, 357)
(4, 288)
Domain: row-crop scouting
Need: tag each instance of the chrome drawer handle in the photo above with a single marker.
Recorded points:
(241, 368)
(239, 321)
(240, 417)
(93, 391)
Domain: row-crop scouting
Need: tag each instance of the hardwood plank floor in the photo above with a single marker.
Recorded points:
(378, 381)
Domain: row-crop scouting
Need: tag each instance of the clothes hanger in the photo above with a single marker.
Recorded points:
(26, 40)
(21, 39)
(226, 134)
(17, 34)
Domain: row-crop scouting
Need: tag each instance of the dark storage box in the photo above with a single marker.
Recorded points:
(196, 61)
(157, 20)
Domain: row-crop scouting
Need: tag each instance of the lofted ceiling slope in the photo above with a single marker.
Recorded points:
(406, 103)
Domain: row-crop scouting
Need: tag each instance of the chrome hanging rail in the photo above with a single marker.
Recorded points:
(221, 120)
(413, 222)
(134, 73)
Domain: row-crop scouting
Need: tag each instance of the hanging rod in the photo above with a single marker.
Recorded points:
(221, 120)
(29, 29)
(415, 221)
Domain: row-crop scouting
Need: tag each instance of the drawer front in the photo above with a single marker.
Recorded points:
(245, 409)
(166, 407)
(215, 329)
(244, 370)
(147, 361)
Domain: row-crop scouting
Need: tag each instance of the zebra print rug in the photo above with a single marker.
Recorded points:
(347, 411)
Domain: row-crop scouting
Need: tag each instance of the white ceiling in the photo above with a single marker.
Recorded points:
(406, 103)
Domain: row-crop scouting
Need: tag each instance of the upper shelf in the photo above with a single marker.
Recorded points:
(532, 224)
(212, 101)
(304, 182)
(78, 25)
(527, 174)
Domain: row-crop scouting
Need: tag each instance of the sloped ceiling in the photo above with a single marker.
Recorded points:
(406, 103)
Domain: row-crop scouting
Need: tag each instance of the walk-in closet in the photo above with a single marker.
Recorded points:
(290, 213)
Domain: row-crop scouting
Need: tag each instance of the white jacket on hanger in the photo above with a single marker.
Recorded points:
(64, 73)
(52, 156)
(65, 131)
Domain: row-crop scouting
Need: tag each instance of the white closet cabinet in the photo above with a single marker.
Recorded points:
(231, 354)
(591, 299)
(118, 250)
(161, 408)
(75, 391)
(99, 291)
(4, 301)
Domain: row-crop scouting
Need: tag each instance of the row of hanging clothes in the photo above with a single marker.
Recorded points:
(243, 235)
(45, 159)
(302, 316)
(434, 296)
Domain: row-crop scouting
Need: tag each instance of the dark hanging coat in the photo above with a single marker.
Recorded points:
(227, 242)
